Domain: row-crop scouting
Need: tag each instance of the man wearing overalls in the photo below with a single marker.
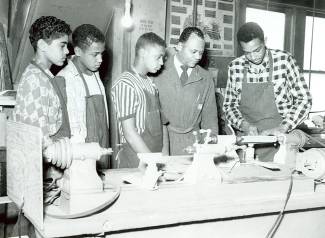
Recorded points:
(265, 94)
(136, 102)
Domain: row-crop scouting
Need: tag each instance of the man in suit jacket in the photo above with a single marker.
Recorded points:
(186, 92)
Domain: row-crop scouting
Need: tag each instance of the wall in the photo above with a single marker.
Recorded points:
(96, 12)
(4, 5)
(218, 21)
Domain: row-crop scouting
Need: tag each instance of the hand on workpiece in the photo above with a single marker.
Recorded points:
(276, 131)
(248, 129)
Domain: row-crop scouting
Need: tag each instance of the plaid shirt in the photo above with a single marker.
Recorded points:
(292, 96)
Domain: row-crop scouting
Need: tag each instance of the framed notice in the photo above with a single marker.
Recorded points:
(216, 18)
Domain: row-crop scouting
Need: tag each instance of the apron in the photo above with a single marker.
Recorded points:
(58, 83)
(258, 108)
(96, 120)
(152, 134)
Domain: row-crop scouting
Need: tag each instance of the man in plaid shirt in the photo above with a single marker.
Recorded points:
(265, 94)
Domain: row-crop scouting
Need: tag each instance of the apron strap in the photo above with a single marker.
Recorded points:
(43, 71)
(84, 81)
(64, 130)
(270, 70)
(53, 82)
(271, 66)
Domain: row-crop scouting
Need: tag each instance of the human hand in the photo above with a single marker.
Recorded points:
(276, 131)
(46, 141)
(249, 129)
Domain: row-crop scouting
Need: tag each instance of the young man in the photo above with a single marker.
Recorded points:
(266, 93)
(38, 101)
(136, 101)
(186, 92)
(86, 98)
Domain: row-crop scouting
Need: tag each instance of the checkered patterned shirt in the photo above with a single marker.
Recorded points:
(291, 93)
(37, 103)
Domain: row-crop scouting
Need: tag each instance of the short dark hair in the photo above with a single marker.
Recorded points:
(148, 38)
(250, 31)
(187, 32)
(84, 35)
(47, 28)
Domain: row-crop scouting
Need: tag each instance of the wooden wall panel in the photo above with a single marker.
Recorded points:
(24, 170)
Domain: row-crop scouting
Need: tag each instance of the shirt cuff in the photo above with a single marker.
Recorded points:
(287, 126)
(126, 117)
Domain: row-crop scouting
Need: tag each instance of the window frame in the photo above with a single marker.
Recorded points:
(288, 27)
(308, 72)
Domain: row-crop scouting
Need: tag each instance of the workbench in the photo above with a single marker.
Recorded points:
(247, 206)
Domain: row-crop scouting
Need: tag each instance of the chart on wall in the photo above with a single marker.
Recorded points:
(216, 18)
(147, 18)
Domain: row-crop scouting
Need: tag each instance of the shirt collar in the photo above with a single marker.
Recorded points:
(178, 65)
(260, 68)
(73, 69)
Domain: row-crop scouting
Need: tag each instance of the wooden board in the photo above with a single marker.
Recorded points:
(5, 74)
(24, 170)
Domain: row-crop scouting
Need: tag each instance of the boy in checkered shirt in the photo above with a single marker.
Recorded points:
(38, 102)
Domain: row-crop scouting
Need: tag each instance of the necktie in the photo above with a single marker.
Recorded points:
(184, 76)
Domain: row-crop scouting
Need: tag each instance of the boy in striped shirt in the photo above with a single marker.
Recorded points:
(136, 102)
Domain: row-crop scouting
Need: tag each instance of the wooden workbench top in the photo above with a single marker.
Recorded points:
(179, 203)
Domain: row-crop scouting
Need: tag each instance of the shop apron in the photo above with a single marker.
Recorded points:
(96, 120)
(58, 83)
(258, 108)
(152, 134)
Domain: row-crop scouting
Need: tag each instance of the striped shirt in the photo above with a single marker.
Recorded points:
(291, 93)
(130, 101)
(37, 103)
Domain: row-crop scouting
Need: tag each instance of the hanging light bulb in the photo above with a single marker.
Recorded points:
(127, 20)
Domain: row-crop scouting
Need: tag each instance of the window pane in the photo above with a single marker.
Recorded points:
(317, 87)
(272, 24)
(318, 43)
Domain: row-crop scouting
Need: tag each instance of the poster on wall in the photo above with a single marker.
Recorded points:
(216, 18)
(147, 18)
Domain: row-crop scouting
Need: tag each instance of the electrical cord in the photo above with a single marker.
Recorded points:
(278, 221)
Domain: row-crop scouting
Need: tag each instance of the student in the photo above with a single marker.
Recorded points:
(186, 92)
(86, 98)
(266, 92)
(38, 101)
(136, 102)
